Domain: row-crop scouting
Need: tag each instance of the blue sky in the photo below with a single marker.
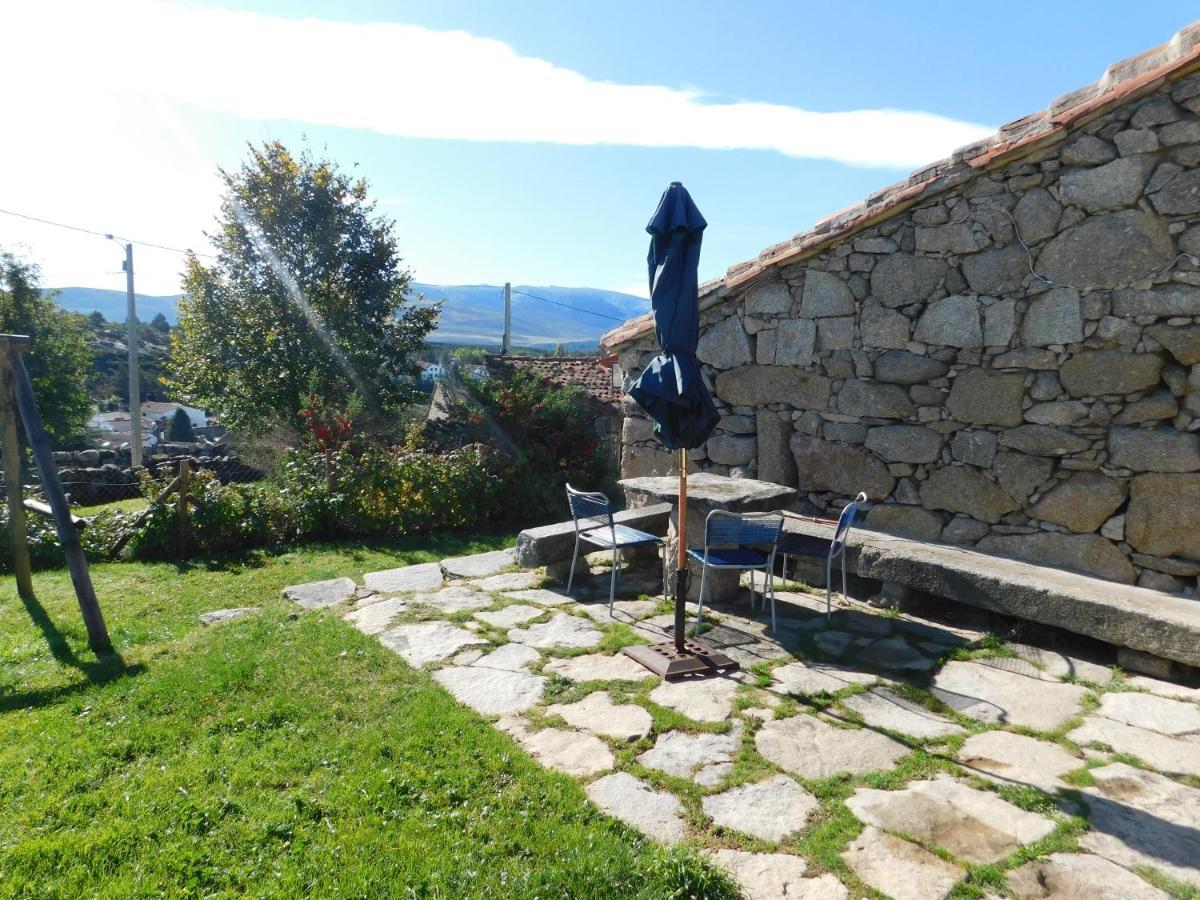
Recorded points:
(132, 108)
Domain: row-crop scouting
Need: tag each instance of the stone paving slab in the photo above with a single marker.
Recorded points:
(599, 667)
(700, 699)
(598, 714)
(426, 642)
(895, 654)
(510, 616)
(1139, 818)
(769, 810)
(509, 658)
(509, 581)
(492, 692)
(883, 708)
(835, 643)
(575, 754)
(1167, 754)
(812, 749)
(626, 611)
(976, 826)
(1062, 665)
(321, 594)
(804, 678)
(684, 755)
(656, 814)
(1151, 712)
(376, 617)
(990, 694)
(479, 565)
(1164, 688)
(1079, 876)
(540, 596)
(453, 599)
(900, 869)
(226, 615)
(777, 876)
(1009, 758)
(563, 631)
(423, 577)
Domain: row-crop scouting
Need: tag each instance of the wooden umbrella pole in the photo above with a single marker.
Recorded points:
(681, 566)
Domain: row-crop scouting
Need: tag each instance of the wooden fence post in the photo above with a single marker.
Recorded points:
(181, 505)
(11, 450)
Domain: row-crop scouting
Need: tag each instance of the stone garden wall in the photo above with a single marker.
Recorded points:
(1012, 364)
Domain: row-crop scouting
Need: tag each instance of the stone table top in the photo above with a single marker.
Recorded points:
(711, 491)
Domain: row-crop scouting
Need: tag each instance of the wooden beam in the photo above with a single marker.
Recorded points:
(10, 448)
(43, 509)
(143, 516)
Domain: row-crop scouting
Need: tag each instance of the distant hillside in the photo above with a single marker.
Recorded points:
(471, 314)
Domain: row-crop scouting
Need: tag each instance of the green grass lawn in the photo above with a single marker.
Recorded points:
(276, 755)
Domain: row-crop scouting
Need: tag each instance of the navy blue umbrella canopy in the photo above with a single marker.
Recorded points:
(671, 389)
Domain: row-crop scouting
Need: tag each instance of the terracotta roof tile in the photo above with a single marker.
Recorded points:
(592, 373)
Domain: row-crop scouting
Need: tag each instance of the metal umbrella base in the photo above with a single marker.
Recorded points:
(681, 656)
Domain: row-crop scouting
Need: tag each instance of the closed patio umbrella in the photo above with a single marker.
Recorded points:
(673, 393)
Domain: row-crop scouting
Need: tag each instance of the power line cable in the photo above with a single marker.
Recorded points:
(102, 234)
(568, 306)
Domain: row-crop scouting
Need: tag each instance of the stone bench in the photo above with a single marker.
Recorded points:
(1163, 625)
(549, 544)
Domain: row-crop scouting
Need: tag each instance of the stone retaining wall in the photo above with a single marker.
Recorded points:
(1013, 364)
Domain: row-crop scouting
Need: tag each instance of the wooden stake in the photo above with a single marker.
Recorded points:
(181, 501)
(11, 450)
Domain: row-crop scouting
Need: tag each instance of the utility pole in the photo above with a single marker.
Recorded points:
(135, 379)
(507, 318)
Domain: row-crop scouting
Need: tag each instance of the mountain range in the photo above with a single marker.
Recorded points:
(471, 314)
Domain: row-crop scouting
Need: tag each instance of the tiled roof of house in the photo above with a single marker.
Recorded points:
(1122, 81)
(592, 373)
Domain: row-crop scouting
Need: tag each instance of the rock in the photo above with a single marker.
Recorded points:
(907, 521)
(1093, 373)
(882, 707)
(775, 461)
(953, 322)
(1021, 475)
(869, 398)
(1082, 503)
(1057, 412)
(575, 754)
(1089, 554)
(999, 323)
(826, 466)
(1037, 215)
(1103, 252)
(833, 642)
(635, 429)
(905, 443)
(902, 367)
(836, 333)
(895, 653)
(956, 237)
(725, 345)
(1026, 358)
(1167, 754)
(760, 385)
(1042, 440)
(812, 749)
(964, 530)
(899, 869)
(683, 755)
(825, 295)
(598, 667)
(1156, 450)
(423, 577)
(321, 594)
(509, 581)
(1060, 665)
(901, 278)
(1136, 140)
(770, 299)
(643, 462)
(1180, 196)
(492, 692)
(701, 699)
(994, 695)
(981, 397)
(479, 565)
(453, 599)
(510, 616)
(426, 642)
(1009, 758)
(1156, 407)
(218, 616)
(975, 447)
(540, 596)
(1151, 712)
(805, 678)
(623, 610)
(795, 340)
(1111, 186)
(884, 328)
(965, 490)
(776, 876)
(598, 714)
(1079, 876)
(769, 810)
(1142, 819)
(1163, 300)
(1087, 150)
(976, 826)
(509, 658)
(1053, 318)
(1183, 342)
(376, 617)
(564, 630)
(731, 450)
(714, 774)
(1164, 688)
(996, 272)
(657, 814)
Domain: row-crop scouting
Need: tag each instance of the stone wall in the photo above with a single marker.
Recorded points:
(1012, 364)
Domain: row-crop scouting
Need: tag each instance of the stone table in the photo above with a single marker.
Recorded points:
(707, 492)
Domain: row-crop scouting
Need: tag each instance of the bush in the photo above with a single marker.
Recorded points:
(180, 430)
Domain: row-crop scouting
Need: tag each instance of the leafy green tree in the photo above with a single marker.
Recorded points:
(160, 323)
(59, 358)
(306, 298)
(180, 430)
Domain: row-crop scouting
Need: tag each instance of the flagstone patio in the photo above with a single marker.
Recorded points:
(871, 751)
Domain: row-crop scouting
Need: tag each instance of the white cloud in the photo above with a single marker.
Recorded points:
(413, 82)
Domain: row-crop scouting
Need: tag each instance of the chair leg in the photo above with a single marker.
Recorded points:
(845, 595)
(612, 582)
(700, 608)
(574, 557)
(772, 588)
(752, 593)
(828, 588)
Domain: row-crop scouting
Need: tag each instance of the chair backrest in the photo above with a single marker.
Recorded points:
(590, 510)
(730, 529)
(838, 546)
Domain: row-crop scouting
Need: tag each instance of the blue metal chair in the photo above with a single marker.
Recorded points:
(743, 541)
(829, 549)
(592, 514)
